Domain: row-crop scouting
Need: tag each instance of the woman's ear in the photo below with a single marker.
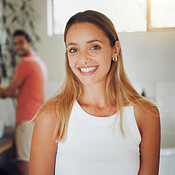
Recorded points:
(116, 49)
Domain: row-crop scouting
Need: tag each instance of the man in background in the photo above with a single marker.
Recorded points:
(28, 86)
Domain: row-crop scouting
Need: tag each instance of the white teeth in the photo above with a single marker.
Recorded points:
(88, 69)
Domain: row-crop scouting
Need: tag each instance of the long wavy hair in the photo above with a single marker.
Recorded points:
(119, 90)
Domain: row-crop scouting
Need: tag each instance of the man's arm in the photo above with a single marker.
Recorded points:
(11, 90)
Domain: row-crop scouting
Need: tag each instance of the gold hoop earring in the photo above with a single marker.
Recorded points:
(114, 59)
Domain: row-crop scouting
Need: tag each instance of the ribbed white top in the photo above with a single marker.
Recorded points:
(95, 145)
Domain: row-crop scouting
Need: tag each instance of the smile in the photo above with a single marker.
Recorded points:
(88, 69)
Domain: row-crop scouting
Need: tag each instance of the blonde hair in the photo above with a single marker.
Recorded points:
(119, 90)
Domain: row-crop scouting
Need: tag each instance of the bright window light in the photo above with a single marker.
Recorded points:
(162, 13)
(127, 15)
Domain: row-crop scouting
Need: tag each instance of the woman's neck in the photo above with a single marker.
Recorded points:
(94, 94)
(94, 101)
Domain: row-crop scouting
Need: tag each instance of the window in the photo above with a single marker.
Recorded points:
(127, 15)
(161, 14)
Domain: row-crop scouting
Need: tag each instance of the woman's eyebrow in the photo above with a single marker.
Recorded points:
(70, 44)
(90, 41)
(94, 40)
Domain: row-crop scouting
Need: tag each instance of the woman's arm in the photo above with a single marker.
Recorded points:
(148, 121)
(44, 146)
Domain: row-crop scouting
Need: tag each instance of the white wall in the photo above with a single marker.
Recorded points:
(148, 56)
(51, 49)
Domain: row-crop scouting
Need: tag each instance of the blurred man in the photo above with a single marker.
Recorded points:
(28, 86)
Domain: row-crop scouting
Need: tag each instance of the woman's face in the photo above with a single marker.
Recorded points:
(89, 53)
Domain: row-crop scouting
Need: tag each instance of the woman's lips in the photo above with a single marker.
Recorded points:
(88, 69)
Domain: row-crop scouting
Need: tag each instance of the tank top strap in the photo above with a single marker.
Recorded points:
(132, 124)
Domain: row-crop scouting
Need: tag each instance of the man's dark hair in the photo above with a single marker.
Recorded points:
(20, 32)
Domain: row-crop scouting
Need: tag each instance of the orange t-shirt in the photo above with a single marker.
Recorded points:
(32, 72)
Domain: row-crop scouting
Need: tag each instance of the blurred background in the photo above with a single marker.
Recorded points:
(146, 30)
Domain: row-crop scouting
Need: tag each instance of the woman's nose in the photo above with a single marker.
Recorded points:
(84, 56)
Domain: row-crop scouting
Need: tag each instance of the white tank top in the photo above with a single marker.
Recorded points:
(95, 145)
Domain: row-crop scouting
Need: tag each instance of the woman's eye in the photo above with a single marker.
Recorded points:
(72, 50)
(95, 47)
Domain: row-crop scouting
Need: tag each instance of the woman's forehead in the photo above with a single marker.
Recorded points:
(84, 30)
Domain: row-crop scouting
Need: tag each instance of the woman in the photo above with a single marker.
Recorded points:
(98, 123)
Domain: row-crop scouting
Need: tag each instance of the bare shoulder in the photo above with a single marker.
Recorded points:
(148, 120)
(147, 116)
(47, 113)
(45, 126)
(46, 119)
(44, 145)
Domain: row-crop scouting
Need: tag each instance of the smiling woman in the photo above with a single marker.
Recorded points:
(98, 123)
(89, 57)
